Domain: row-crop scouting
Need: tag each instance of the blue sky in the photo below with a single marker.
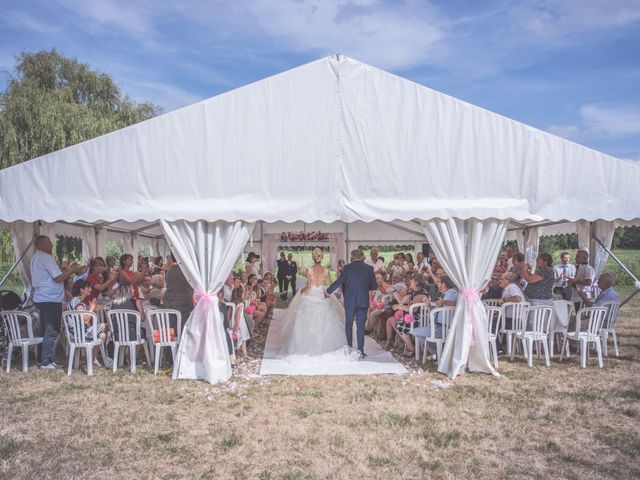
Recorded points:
(571, 67)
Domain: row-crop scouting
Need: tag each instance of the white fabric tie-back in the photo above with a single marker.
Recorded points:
(206, 253)
(467, 250)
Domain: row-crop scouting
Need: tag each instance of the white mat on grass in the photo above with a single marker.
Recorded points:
(377, 361)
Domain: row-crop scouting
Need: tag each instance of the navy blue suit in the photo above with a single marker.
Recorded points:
(357, 280)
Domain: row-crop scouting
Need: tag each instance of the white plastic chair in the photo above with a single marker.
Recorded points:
(123, 339)
(491, 302)
(77, 339)
(12, 320)
(447, 316)
(517, 315)
(494, 321)
(609, 327)
(559, 328)
(423, 318)
(160, 320)
(594, 319)
(534, 329)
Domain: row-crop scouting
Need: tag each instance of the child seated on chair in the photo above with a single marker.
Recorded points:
(80, 291)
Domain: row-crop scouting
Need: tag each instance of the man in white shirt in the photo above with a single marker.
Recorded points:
(583, 279)
(48, 285)
(511, 251)
(564, 274)
(422, 265)
(375, 262)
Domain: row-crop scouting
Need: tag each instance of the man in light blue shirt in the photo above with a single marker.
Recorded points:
(607, 294)
(48, 285)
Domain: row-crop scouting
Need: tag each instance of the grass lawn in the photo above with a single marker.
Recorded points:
(544, 422)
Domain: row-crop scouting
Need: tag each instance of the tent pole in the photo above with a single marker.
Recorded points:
(629, 297)
(618, 261)
(15, 264)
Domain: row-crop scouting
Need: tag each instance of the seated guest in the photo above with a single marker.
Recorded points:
(416, 293)
(269, 295)
(124, 299)
(239, 323)
(157, 288)
(510, 294)
(255, 293)
(341, 264)
(564, 274)
(606, 281)
(178, 294)
(99, 284)
(145, 286)
(156, 266)
(383, 288)
(227, 288)
(518, 264)
(396, 269)
(539, 290)
(111, 268)
(494, 288)
(434, 281)
(449, 299)
(81, 292)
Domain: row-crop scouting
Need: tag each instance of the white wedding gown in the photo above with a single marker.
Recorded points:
(313, 329)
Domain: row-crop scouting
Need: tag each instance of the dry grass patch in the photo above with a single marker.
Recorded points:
(557, 422)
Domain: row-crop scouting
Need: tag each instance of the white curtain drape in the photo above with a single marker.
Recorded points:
(531, 246)
(101, 242)
(127, 246)
(22, 233)
(603, 231)
(467, 249)
(583, 228)
(135, 246)
(89, 246)
(206, 253)
(269, 246)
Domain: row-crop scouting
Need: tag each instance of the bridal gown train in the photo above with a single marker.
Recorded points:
(313, 329)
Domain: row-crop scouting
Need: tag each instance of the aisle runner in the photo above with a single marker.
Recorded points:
(377, 361)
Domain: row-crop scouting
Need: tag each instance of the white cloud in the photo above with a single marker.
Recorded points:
(21, 20)
(612, 121)
(598, 121)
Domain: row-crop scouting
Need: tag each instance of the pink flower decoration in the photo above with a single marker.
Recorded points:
(381, 305)
(250, 309)
(398, 314)
(408, 318)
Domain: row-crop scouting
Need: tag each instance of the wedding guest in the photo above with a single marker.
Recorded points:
(449, 299)
(81, 301)
(239, 325)
(48, 280)
(422, 264)
(431, 258)
(281, 265)
(513, 294)
(416, 293)
(290, 275)
(607, 294)
(178, 294)
(145, 286)
(510, 251)
(255, 294)
(227, 288)
(409, 265)
(494, 288)
(340, 267)
(583, 279)
(251, 265)
(539, 290)
(564, 275)
(126, 275)
(157, 288)
(124, 299)
(111, 268)
(375, 261)
(383, 288)
(99, 284)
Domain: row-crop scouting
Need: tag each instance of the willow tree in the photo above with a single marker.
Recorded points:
(52, 101)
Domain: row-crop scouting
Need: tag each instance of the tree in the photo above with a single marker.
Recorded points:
(53, 101)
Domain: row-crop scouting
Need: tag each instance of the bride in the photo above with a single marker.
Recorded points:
(313, 325)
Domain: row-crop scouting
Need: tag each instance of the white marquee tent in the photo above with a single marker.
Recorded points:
(334, 144)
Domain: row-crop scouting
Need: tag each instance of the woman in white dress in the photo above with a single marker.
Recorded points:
(313, 325)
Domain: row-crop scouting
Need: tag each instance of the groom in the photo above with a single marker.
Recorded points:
(357, 280)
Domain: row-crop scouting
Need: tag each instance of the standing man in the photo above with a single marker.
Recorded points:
(511, 251)
(422, 265)
(375, 262)
(564, 274)
(48, 284)
(357, 280)
(290, 275)
(281, 274)
(583, 279)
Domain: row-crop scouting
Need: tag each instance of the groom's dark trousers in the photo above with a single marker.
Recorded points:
(357, 280)
(361, 317)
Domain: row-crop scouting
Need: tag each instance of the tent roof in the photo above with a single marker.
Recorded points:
(331, 140)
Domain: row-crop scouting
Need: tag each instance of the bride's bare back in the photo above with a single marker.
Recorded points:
(316, 276)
